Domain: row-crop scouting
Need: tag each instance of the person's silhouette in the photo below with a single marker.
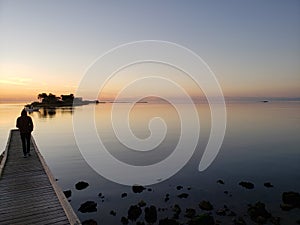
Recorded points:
(25, 125)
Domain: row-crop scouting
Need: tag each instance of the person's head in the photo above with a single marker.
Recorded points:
(23, 113)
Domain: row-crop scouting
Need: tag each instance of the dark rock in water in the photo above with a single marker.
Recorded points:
(123, 195)
(68, 193)
(220, 181)
(183, 195)
(142, 203)
(286, 207)
(89, 222)
(268, 185)
(88, 206)
(138, 188)
(189, 188)
(226, 192)
(168, 221)
(177, 210)
(190, 213)
(162, 209)
(221, 212)
(204, 219)
(231, 213)
(247, 185)
(258, 213)
(167, 198)
(150, 214)
(239, 221)
(291, 199)
(149, 189)
(124, 220)
(134, 212)
(81, 185)
(206, 205)
(179, 187)
(275, 220)
(100, 195)
(140, 223)
(113, 213)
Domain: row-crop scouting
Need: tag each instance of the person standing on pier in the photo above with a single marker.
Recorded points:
(25, 125)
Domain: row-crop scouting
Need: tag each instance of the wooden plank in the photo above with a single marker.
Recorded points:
(29, 193)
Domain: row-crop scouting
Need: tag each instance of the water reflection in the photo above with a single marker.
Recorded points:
(261, 145)
(139, 119)
(51, 112)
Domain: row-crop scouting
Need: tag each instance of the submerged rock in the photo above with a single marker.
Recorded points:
(220, 181)
(190, 213)
(221, 212)
(138, 188)
(179, 187)
(168, 221)
(68, 193)
(123, 195)
(150, 214)
(88, 206)
(290, 200)
(167, 198)
(124, 220)
(113, 213)
(206, 205)
(268, 185)
(140, 223)
(81, 185)
(89, 222)
(177, 210)
(134, 212)
(247, 185)
(239, 221)
(142, 203)
(100, 195)
(204, 219)
(258, 213)
(231, 213)
(275, 220)
(183, 195)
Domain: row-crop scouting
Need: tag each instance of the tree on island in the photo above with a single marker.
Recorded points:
(53, 99)
(48, 99)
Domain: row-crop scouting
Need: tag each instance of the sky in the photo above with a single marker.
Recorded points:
(253, 47)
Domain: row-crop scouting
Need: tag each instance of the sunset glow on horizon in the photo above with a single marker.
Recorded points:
(253, 48)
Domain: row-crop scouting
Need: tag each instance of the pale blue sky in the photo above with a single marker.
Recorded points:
(253, 47)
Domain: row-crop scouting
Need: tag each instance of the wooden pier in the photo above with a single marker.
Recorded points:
(29, 193)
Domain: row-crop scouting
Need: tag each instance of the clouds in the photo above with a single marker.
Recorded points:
(16, 81)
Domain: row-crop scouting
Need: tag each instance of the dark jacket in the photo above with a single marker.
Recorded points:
(24, 123)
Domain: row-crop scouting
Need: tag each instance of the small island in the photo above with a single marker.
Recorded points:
(51, 100)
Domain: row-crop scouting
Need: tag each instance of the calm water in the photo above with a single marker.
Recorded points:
(261, 145)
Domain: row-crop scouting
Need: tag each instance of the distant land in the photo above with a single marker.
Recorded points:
(51, 100)
(64, 101)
